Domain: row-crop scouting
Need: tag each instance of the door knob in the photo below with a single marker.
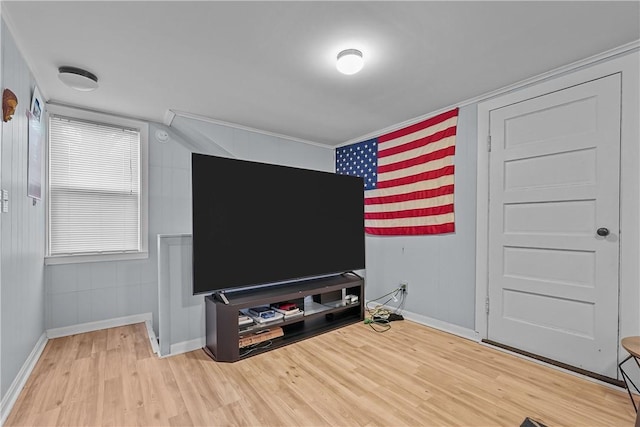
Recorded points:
(603, 231)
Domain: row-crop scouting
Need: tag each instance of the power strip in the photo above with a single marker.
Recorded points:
(395, 316)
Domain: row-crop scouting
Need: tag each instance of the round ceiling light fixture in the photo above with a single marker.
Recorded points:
(350, 61)
(77, 78)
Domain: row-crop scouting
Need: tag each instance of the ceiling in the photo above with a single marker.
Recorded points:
(271, 65)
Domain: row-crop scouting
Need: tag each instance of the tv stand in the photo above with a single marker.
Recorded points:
(322, 313)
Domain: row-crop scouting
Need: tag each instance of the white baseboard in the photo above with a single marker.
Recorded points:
(20, 380)
(442, 325)
(96, 326)
(186, 346)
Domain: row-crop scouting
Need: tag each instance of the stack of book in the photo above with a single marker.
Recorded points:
(251, 338)
(264, 314)
(244, 320)
(288, 309)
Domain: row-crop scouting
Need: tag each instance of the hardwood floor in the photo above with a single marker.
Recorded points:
(410, 375)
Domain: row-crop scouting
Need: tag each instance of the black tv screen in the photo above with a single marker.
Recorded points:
(256, 224)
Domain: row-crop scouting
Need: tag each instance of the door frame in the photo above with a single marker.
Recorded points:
(627, 64)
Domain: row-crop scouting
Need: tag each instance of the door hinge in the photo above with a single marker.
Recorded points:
(489, 143)
(486, 305)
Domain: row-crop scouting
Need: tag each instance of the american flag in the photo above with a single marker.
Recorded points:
(408, 177)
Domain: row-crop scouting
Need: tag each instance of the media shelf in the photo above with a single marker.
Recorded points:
(324, 310)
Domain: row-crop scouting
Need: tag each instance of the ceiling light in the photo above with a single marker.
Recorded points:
(350, 61)
(78, 78)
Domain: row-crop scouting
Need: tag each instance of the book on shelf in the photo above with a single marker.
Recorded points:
(286, 312)
(275, 318)
(263, 312)
(260, 320)
(243, 320)
(259, 336)
(297, 313)
(288, 309)
(285, 306)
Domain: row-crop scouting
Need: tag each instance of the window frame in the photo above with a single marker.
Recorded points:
(107, 119)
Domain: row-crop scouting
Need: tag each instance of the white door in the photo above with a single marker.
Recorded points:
(554, 187)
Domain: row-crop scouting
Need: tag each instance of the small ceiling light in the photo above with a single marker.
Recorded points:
(78, 78)
(350, 61)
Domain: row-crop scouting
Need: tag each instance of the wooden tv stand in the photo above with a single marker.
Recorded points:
(324, 310)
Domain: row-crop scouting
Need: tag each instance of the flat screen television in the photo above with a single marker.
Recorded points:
(257, 224)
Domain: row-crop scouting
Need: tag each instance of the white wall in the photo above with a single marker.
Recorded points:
(440, 269)
(80, 293)
(22, 228)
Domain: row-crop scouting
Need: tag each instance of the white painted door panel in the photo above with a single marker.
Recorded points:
(554, 180)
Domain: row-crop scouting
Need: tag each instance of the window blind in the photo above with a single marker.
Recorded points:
(94, 187)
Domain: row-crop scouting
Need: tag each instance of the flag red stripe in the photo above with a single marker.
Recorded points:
(406, 197)
(410, 231)
(412, 213)
(421, 142)
(424, 176)
(436, 155)
(419, 126)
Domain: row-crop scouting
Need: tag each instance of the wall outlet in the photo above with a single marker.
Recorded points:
(405, 287)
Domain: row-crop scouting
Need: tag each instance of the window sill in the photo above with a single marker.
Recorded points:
(76, 259)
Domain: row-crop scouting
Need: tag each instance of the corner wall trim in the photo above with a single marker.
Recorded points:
(20, 380)
(152, 338)
(186, 346)
(96, 326)
(205, 119)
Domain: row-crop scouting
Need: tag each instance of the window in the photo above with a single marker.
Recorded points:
(97, 178)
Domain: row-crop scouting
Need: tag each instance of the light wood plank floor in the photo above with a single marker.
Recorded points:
(410, 375)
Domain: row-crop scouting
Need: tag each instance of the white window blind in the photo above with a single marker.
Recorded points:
(94, 187)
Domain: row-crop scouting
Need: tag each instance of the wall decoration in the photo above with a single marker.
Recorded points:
(9, 104)
(37, 105)
(34, 165)
(408, 177)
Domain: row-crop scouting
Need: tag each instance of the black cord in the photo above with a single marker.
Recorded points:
(377, 320)
(393, 295)
(385, 323)
(256, 346)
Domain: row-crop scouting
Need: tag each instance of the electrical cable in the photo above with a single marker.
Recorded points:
(386, 325)
(403, 301)
(379, 314)
(393, 295)
(256, 346)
